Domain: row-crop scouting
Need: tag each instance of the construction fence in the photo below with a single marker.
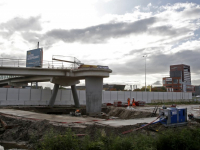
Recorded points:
(14, 96)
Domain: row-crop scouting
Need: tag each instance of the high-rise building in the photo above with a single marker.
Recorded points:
(182, 71)
(179, 80)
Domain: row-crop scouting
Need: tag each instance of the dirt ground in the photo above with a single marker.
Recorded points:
(123, 113)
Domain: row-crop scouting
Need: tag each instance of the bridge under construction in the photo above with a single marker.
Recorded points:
(57, 73)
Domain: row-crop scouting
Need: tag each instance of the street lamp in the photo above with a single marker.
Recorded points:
(145, 56)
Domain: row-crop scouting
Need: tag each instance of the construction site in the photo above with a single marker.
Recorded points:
(20, 124)
(40, 118)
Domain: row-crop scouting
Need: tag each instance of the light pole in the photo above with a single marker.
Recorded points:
(145, 56)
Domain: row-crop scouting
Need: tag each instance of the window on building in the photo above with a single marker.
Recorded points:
(174, 68)
(169, 82)
(188, 89)
(175, 81)
(180, 81)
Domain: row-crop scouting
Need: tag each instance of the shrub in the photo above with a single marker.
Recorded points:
(185, 139)
(54, 141)
(171, 139)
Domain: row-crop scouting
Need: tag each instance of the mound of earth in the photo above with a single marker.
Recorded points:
(124, 113)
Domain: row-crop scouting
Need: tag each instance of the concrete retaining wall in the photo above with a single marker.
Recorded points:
(12, 96)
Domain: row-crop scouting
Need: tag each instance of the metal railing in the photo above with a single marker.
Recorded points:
(3, 77)
(54, 64)
(57, 62)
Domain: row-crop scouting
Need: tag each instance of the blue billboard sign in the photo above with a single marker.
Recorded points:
(34, 58)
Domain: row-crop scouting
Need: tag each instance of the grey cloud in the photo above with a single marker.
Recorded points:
(158, 63)
(196, 82)
(21, 25)
(192, 12)
(141, 51)
(136, 51)
(5, 34)
(31, 37)
(157, 83)
(13, 55)
(168, 30)
(100, 33)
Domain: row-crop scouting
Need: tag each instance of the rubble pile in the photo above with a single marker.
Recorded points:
(124, 113)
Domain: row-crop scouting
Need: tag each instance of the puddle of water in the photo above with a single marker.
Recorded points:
(12, 146)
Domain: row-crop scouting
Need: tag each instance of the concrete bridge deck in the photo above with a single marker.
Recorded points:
(64, 77)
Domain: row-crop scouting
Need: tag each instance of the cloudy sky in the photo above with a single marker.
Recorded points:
(115, 33)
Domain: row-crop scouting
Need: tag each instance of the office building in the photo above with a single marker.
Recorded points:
(179, 80)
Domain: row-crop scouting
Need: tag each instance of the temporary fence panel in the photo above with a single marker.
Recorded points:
(184, 96)
(155, 95)
(145, 96)
(46, 95)
(165, 96)
(3, 94)
(24, 94)
(189, 95)
(66, 96)
(106, 96)
(178, 95)
(127, 94)
(13, 94)
(82, 97)
(120, 96)
(35, 95)
(174, 96)
(114, 96)
(150, 97)
(139, 96)
(160, 95)
(135, 95)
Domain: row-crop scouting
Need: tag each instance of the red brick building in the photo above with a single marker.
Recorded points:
(173, 84)
(179, 80)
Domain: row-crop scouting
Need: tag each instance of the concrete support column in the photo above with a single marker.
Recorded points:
(75, 96)
(94, 86)
(54, 94)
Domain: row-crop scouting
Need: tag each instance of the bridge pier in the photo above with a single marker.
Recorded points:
(94, 86)
(54, 94)
(75, 96)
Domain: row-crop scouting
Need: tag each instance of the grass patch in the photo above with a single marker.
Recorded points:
(171, 139)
